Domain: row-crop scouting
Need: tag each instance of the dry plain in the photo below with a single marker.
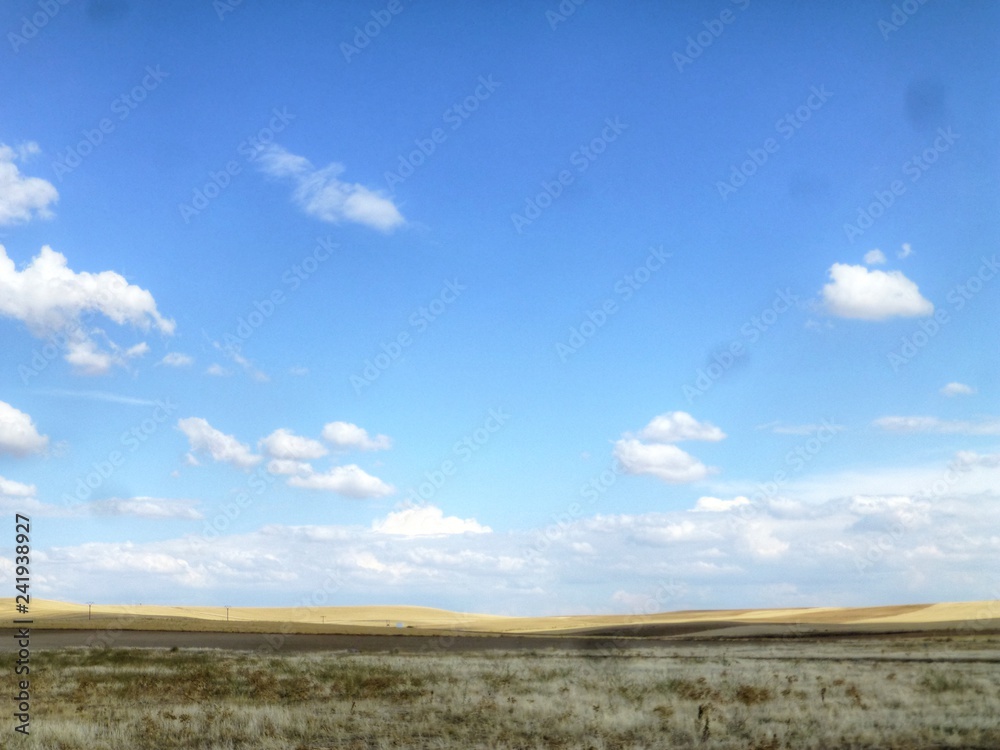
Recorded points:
(117, 677)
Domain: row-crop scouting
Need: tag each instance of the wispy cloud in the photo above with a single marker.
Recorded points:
(177, 359)
(111, 398)
(23, 198)
(875, 258)
(781, 428)
(205, 439)
(958, 389)
(945, 426)
(321, 194)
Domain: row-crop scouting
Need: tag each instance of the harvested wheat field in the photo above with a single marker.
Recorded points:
(411, 620)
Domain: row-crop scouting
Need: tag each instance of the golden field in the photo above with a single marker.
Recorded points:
(979, 615)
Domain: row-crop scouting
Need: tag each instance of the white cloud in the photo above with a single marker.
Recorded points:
(217, 370)
(285, 444)
(176, 359)
(717, 505)
(87, 358)
(906, 251)
(10, 488)
(659, 457)
(426, 520)
(857, 292)
(18, 435)
(350, 480)
(759, 538)
(204, 438)
(23, 198)
(347, 436)
(322, 195)
(958, 389)
(289, 467)
(875, 258)
(675, 426)
(666, 462)
(944, 426)
(51, 299)
(782, 554)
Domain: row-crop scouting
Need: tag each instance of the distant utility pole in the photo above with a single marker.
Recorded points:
(89, 605)
(227, 612)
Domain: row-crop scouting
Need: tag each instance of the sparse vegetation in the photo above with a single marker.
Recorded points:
(759, 695)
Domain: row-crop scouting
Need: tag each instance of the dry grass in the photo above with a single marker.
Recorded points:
(910, 693)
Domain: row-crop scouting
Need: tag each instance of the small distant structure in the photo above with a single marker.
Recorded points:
(399, 624)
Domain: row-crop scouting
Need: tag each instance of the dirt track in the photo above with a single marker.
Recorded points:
(596, 642)
(54, 639)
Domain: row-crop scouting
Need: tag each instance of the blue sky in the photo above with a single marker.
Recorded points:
(535, 309)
